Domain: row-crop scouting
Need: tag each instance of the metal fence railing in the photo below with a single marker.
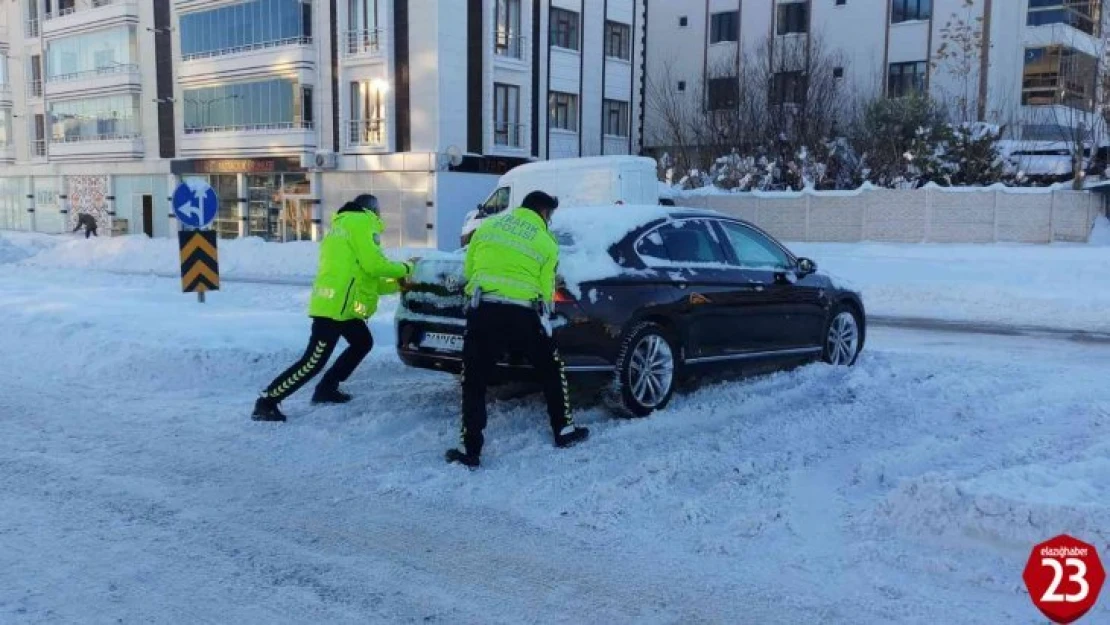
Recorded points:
(366, 132)
(364, 42)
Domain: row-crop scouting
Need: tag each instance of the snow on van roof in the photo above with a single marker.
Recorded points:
(584, 162)
(587, 232)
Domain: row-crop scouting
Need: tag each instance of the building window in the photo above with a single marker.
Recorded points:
(306, 112)
(841, 3)
(3, 68)
(363, 35)
(904, 79)
(256, 105)
(99, 52)
(507, 130)
(564, 29)
(724, 27)
(1083, 15)
(723, 93)
(907, 10)
(682, 85)
(788, 88)
(251, 25)
(615, 122)
(563, 111)
(793, 18)
(5, 127)
(93, 119)
(838, 72)
(618, 41)
(366, 124)
(507, 40)
(1058, 75)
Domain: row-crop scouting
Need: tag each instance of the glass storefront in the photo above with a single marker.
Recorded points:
(101, 118)
(261, 104)
(279, 206)
(100, 52)
(245, 26)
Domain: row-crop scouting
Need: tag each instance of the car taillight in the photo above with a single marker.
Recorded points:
(563, 297)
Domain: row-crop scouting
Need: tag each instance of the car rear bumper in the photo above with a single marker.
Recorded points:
(409, 334)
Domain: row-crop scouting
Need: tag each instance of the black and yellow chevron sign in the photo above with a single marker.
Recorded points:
(200, 268)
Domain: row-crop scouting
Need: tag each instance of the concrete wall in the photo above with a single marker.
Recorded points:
(932, 215)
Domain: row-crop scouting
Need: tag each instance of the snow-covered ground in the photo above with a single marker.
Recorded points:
(1058, 286)
(909, 489)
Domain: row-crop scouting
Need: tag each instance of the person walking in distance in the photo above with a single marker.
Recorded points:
(510, 272)
(88, 222)
(353, 272)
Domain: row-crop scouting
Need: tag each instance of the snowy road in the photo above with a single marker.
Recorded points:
(133, 487)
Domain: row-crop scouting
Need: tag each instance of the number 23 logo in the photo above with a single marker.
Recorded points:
(1079, 577)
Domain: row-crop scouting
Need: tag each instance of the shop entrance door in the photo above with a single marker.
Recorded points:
(148, 215)
(296, 218)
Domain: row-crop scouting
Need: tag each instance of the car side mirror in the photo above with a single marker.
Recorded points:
(806, 266)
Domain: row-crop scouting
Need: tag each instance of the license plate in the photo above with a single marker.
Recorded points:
(442, 342)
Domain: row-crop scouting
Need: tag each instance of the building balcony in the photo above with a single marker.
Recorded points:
(283, 139)
(32, 29)
(38, 149)
(119, 77)
(509, 137)
(90, 14)
(511, 50)
(366, 135)
(5, 95)
(261, 59)
(364, 45)
(96, 148)
(34, 90)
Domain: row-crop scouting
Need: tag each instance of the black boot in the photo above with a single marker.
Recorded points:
(329, 394)
(266, 409)
(464, 458)
(570, 436)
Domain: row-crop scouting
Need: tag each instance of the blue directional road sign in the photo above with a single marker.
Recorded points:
(195, 203)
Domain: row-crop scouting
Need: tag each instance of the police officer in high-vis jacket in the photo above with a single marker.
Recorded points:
(510, 273)
(352, 273)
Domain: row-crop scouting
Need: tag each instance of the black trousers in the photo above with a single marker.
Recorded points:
(88, 230)
(491, 330)
(325, 336)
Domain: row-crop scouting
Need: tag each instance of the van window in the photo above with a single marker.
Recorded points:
(496, 202)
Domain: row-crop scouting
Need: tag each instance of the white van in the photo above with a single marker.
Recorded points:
(593, 180)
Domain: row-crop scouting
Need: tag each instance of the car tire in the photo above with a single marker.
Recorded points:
(843, 338)
(647, 372)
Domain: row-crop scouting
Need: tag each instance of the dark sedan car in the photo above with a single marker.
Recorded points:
(650, 293)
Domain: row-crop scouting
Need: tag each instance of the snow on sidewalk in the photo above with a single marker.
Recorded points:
(1063, 286)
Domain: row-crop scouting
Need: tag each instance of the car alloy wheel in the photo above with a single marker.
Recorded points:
(842, 341)
(652, 370)
(646, 372)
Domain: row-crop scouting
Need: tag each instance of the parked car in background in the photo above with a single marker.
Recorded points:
(590, 181)
(648, 294)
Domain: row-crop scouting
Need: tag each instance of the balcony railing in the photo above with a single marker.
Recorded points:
(31, 28)
(366, 132)
(36, 88)
(95, 4)
(38, 148)
(363, 42)
(298, 125)
(261, 45)
(508, 135)
(509, 46)
(118, 68)
(106, 136)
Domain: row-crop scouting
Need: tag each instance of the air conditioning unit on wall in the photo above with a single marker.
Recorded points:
(321, 159)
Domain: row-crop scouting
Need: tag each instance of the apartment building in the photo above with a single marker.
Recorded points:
(1032, 65)
(79, 127)
(289, 107)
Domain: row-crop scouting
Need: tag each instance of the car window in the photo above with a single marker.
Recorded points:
(753, 249)
(496, 202)
(682, 242)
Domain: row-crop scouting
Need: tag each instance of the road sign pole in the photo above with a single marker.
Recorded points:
(200, 296)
